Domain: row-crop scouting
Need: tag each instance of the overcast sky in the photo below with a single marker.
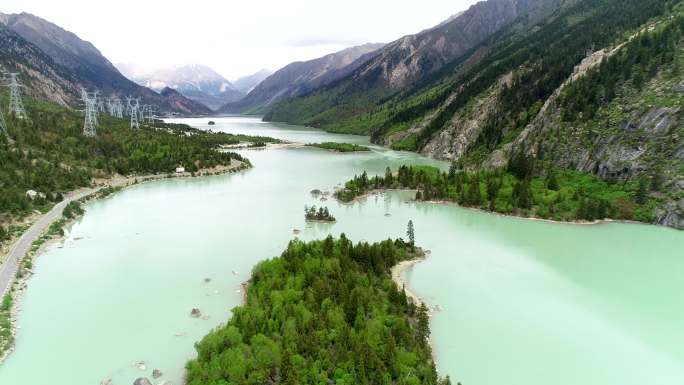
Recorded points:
(235, 38)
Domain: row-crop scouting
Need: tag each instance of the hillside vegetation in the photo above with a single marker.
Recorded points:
(324, 312)
(594, 87)
(50, 155)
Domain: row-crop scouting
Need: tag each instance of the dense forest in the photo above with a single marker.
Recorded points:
(324, 312)
(519, 190)
(340, 147)
(49, 154)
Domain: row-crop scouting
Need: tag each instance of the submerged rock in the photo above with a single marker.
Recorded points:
(195, 313)
(106, 381)
(207, 280)
(142, 381)
(156, 373)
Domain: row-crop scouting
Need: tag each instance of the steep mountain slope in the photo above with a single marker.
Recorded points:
(408, 59)
(197, 82)
(596, 87)
(68, 63)
(247, 83)
(301, 77)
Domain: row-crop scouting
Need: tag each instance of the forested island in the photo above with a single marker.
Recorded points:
(340, 147)
(522, 189)
(320, 215)
(323, 312)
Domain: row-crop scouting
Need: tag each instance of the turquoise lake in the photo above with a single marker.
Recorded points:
(522, 302)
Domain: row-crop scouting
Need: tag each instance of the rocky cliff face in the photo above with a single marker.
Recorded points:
(66, 63)
(412, 57)
(301, 77)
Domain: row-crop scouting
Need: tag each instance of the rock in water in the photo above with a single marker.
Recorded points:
(156, 373)
(107, 381)
(195, 313)
(142, 381)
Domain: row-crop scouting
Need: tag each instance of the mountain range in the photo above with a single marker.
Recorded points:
(54, 64)
(299, 78)
(197, 82)
(247, 83)
(588, 85)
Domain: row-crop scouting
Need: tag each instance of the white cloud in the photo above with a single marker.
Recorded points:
(235, 37)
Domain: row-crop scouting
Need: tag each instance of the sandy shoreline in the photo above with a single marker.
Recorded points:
(398, 271)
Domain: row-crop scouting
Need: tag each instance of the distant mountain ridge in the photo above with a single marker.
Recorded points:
(299, 78)
(195, 81)
(56, 63)
(407, 60)
(247, 83)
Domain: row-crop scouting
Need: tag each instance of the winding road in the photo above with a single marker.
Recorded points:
(8, 270)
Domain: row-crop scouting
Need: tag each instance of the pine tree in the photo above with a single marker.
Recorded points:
(552, 182)
(411, 234)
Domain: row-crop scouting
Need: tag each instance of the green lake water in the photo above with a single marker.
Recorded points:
(522, 302)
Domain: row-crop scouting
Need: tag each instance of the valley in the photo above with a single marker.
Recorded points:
(483, 192)
(142, 288)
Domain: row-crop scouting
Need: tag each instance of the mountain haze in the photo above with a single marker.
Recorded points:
(57, 63)
(247, 83)
(197, 82)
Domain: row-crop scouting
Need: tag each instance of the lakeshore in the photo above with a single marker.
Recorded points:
(14, 284)
(147, 250)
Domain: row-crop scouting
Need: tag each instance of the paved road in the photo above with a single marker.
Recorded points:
(8, 270)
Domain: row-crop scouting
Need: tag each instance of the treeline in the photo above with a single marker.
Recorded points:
(520, 189)
(638, 62)
(340, 147)
(324, 312)
(50, 155)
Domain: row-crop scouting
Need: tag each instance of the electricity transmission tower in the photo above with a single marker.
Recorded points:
(115, 107)
(133, 106)
(90, 124)
(150, 114)
(3, 125)
(16, 106)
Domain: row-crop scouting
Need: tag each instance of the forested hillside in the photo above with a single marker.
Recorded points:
(596, 86)
(324, 312)
(50, 155)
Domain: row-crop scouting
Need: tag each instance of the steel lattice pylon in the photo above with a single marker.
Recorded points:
(3, 125)
(90, 124)
(16, 106)
(133, 106)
